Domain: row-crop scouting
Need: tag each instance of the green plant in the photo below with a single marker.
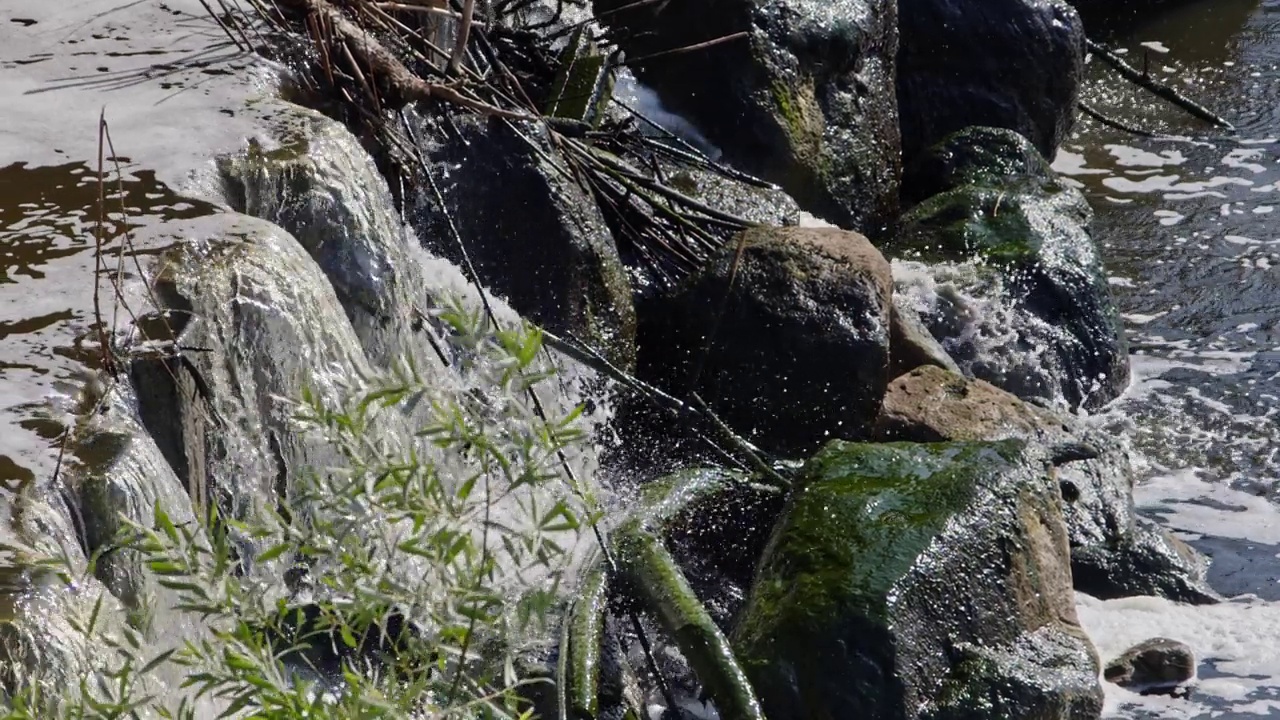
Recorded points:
(400, 584)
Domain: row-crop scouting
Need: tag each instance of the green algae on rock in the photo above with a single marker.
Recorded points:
(998, 203)
(889, 560)
(1115, 552)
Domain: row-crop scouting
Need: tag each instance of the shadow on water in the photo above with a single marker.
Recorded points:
(48, 216)
(52, 212)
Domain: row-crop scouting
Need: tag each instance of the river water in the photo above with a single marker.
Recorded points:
(1191, 235)
(1190, 229)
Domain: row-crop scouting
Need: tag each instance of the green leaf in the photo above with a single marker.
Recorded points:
(274, 552)
(164, 523)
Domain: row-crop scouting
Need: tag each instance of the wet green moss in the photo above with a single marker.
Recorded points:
(854, 530)
(863, 516)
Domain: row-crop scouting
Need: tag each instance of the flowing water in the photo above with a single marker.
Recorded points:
(1192, 241)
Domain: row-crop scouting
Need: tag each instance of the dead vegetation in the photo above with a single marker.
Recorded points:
(519, 62)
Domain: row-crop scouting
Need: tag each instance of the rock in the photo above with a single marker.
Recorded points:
(911, 345)
(792, 349)
(1114, 552)
(535, 237)
(1156, 665)
(272, 326)
(763, 205)
(120, 477)
(919, 581)
(1015, 64)
(805, 100)
(1000, 205)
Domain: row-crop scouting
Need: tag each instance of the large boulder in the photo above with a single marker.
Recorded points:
(788, 341)
(533, 234)
(919, 581)
(996, 203)
(1114, 551)
(1015, 64)
(806, 99)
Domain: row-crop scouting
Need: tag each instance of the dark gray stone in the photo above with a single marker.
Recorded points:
(1014, 64)
(534, 235)
(805, 100)
(1156, 665)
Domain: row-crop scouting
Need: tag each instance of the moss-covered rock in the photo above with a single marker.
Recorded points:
(997, 202)
(1114, 551)
(789, 342)
(803, 97)
(895, 567)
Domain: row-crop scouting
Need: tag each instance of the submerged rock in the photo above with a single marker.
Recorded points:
(806, 99)
(999, 204)
(1015, 64)
(1114, 552)
(788, 343)
(1156, 665)
(919, 581)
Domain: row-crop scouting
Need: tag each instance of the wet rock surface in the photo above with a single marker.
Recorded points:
(1157, 665)
(865, 603)
(911, 345)
(1000, 205)
(805, 99)
(788, 343)
(272, 326)
(535, 237)
(1114, 551)
(1015, 64)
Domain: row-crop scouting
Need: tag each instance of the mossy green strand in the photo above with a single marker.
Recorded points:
(656, 578)
(888, 557)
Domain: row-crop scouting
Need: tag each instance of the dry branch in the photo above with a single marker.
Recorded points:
(382, 66)
(1156, 87)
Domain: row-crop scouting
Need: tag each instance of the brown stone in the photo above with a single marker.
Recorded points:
(1154, 665)
(788, 341)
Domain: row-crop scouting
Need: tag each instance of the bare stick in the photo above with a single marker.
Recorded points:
(687, 48)
(1156, 87)
(1114, 123)
(464, 34)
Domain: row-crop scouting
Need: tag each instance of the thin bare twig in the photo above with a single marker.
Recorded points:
(1156, 87)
